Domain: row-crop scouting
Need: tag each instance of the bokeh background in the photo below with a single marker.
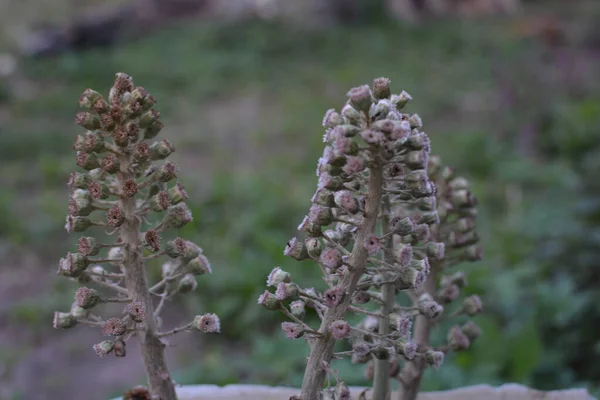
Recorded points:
(508, 91)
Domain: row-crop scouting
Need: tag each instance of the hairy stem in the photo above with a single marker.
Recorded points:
(381, 379)
(159, 379)
(412, 372)
(322, 348)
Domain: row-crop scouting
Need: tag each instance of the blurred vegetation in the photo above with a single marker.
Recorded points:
(244, 104)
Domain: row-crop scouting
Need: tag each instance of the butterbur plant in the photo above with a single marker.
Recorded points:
(385, 219)
(124, 183)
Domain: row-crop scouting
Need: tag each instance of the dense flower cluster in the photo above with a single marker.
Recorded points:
(385, 218)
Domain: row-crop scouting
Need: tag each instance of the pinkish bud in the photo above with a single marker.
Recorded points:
(98, 190)
(87, 298)
(472, 305)
(207, 323)
(160, 201)
(314, 247)
(80, 203)
(268, 300)
(332, 119)
(471, 330)
(120, 136)
(430, 309)
(457, 340)
(286, 291)
(400, 100)
(404, 326)
(167, 172)
(407, 348)
(115, 217)
(119, 349)
(87, 120)
(147, 119)
(381, 88)
(141, 152)
(152, 240)
(360, 297)
(410, 278)
(296, 249)
(153, 130)
(111, 164)
(199, 265)
(352, 115)
(63, 320)
(415, 121)
(417, 160)
(177, 194)
(130, 188)
(88, 246)
(403, 227)
(421, 265)
(434, 358)
(449, 293)
(331, 258)
(77, 224)
(161, 150)
(435, 250)
(292, 330)
(372, 137)
(360, 98)
(73, 265)
(403, 254)
(187, 284)
(88, 98)
(87, 161)
(178, 216)
(114, 327)
(333, 296)
(339, 329)
(320, 215)
(323, 197)
(418, 141)
(278, 276)
(78, 180)
(346, 200)
(136, 311)
(298, 309)
(102, 349)
(373, 245)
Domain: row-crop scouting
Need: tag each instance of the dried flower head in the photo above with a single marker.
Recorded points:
(136, 311)
(339, 329)
(292, 330)
(207, 323)
(114, 327)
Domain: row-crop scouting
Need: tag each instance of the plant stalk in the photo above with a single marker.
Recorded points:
(322, 348)
(381, 379)
(152, 348)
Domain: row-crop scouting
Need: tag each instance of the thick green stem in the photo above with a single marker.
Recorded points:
(159, 379)
(322, 348)
(381, 380)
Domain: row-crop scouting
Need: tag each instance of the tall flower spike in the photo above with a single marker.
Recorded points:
(375, 228)
(116, 187)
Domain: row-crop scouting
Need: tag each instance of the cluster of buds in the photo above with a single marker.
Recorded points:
(124, 183)
(381, 222)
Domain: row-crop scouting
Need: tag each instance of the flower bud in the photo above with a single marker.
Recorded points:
(403, 254)
(148, 118)
(409, 278)
(459, 279)
(473, 253)
(296, 249)
(78, 180)
(78, 312)
(98, 190)
(331, 258)
(360, 98)
(403, 227)
(471, 330)
(332, 119)
(434, 358)
(421, 265)
(360, 297)
(346, 200)
(449, 293)
(77, 224)
(153, 130)
(352, 115)
(457, 340)
(404, 326)
(435, 250)
(87, 161)
(87, 120)
(401, 100)
(177, 194)
(159, 202)
(111, 164)
(381, 88)
(178, 216)
(418, 141)
(380, 109)
(278, 276)
(323, 197)
(63, 320)
(161, 150)
(136, 311)
(72, 265)
(342, 392)
(286, 291)
(333, 296)
(166, 172)
(114, 327)
(115, 217)
(80, 203)
(87, 298)
(463, 198)
(119, 349)
(89, 98)
(472, 305)
(102, 349)
(298, 309)
(415, 121)
(430, 309)
(428, 203)
(268, 300)
(339, 329)
(187, 284)
(320, 215)
(416, 160)
(207, 323)
(407, 348)
(292, 330)
(421, 233)
(372, 137)
(199, 265)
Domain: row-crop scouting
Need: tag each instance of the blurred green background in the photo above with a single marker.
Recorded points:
(512, 102)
